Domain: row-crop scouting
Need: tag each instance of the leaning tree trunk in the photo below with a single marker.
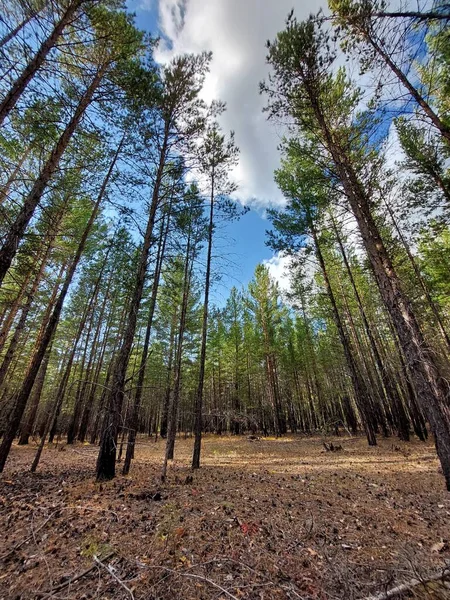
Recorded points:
(17, 229)
(134, 419)
(391, 392)
(15, 338)
(442, 127)
(359, 388)
(28, 426)
(4, 191)
(97, 344)
(25, 390)
(431, 388)
(18, 87)
(16, 30)
(431, 303)
(61, 391)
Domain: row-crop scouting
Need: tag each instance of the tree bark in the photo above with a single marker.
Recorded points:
(24, 392)
(106, 461)
(198, 407)
(17, 229)
(431, 388)
(175, 395)
(37, 61)
(360, 390)
(27, 429)
(392, 395)
(134, 420)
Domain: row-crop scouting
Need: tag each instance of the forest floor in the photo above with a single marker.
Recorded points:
(274, 518)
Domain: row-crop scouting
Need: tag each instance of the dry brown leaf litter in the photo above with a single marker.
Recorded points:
(261, 520)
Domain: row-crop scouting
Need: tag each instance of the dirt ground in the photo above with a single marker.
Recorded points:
(265, 519)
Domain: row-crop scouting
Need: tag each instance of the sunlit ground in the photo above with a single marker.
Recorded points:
(274, 518)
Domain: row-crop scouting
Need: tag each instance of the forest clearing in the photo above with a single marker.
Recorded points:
(224, 299)
(270, 518)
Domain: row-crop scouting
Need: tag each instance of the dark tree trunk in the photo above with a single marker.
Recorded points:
(431, 388)
(198, 407)
(25, 390)
(37, 61)
(17, 229)
(390, 389)
(174, 399)
(59, 398)
(27, 429)
(106, 461)
(360, 390)
(134, 419)
(11, 351)
(77, 414)
(442, 127)
(431, 303)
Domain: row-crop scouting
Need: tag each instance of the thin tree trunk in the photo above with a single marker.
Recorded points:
(31, 294)
(16, 30)
(360, 390)
(392, 395)
(432, 304)
(85, 417)
(37, 61)
(198, 407)
(134, 420)
(24, 392)
(72, 429)
(4, 191)
(17, 229)
(175, 396)
(431, 388)
(8, 319)
(28, 426)
(434, 118)
(106, 461)
(11, 351)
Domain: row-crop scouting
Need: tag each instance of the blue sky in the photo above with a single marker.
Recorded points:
(236, 32)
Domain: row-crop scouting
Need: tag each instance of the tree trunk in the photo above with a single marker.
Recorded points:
(391, 392)
(434, 118)
(431, 388)
(174, 399)
(27, 429)
(431, 303)
(360, 390)
(24, 392)
(10, 353)
(198, 407)
(106, 461)
(37, 61)
(134, 420)
(17, 229)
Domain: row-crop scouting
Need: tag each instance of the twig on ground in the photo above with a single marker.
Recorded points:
(49, 518)
(408, 586)
(114, 576)
(194, 576)
(74, 579)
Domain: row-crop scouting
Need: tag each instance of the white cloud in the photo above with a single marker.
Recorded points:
(394, 152)
(280, 267)
(236, 32)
